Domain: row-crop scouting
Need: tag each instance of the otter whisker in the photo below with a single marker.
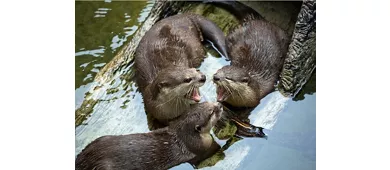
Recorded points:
(189, 92)
(176, 104)
(239, 94)
(192, 89)
(225, 88)
(166, 102)
(179, 104)
(228, 90)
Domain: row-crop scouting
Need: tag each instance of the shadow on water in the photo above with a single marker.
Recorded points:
(290, 122)
(308, 88)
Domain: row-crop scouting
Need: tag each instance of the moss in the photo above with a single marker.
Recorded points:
(114, 98)
(97, 88)
(84, 111)
(219, 155)
(129, 75)
(112, 82)
(128, 86)
(224, 19)
(124, 106)
(126, 93)
(225, 129)
(87, 95)
(212, 160)
(112, 90)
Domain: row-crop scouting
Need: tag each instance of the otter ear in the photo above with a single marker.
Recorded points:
(198, 128)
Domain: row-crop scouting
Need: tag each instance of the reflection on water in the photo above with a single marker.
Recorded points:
(102, 28)
(291, 123)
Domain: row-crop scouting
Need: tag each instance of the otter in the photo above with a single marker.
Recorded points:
(257, 49)
(165, 63)
(184, 139)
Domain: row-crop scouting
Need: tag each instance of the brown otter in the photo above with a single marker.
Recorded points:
(165, 63)
(184, 139)
(257, 49)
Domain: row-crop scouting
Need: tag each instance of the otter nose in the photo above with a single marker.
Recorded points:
(203, 78)
(216, 78)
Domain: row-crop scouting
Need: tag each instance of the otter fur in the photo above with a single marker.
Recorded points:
(257, 49)
(183, 140)
(165, 63)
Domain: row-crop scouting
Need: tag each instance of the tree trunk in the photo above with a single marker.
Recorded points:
(301, 56)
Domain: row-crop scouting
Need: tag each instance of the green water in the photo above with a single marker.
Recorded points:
(102, 28)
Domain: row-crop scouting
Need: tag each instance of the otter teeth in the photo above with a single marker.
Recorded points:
(221, 94)
(195, 95)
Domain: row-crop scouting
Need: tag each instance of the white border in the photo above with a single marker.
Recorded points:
(37, 87)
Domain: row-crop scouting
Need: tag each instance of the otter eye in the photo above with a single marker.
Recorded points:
(197, 128)
(187, 80)
(245, 80)
(228, 78)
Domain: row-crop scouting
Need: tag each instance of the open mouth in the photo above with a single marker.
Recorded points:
(194, 95)
(221, 94)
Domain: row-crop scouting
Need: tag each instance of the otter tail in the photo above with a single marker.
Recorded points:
(212, 32)
(239, 10)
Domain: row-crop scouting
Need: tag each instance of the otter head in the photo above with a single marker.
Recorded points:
(200, 118)
(236, 87)
(194, 126)
(174, 89)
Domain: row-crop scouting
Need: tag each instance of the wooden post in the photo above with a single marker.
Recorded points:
(301, 56)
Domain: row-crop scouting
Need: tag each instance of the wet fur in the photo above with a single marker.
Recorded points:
(166, 56)
(166, 102)
(160, 149)
(257, 49)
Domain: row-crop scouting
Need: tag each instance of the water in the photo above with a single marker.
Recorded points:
(102, 28)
